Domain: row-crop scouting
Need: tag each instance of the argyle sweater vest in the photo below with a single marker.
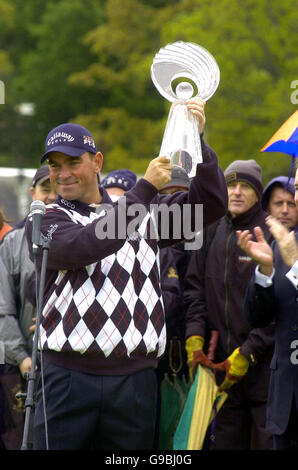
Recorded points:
(111, 309)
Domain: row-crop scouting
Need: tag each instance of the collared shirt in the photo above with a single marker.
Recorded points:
(266, 281)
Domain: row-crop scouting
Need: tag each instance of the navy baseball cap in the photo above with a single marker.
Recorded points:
(41, 175)
(124, 179)
(70, 139)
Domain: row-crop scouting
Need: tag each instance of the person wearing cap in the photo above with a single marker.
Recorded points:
(173, 264)
(118, 182)
(215, 286)
(17, 313)
(272, 296)
(278, 200)
(102, 321)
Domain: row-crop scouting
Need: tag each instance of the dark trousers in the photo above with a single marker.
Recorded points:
(87, 411)
(289, 439)
(241, 422)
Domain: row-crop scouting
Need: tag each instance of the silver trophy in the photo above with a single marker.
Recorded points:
(174, 63)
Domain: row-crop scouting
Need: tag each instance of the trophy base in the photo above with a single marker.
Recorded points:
(181, 158)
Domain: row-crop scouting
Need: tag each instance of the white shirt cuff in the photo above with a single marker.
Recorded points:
(292, 275)
(262, 280)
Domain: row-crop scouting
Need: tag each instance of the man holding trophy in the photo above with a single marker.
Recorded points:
(102, 325)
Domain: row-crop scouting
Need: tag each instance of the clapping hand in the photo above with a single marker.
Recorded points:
(286, 240)
(259, 250)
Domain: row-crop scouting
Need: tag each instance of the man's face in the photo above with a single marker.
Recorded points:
(282, 206)
(43, 192)
(241, 197)
(76, 177)
(115, 191)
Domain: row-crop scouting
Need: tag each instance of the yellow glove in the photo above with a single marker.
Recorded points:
(195, 355)
(192, 344)
(236, 366)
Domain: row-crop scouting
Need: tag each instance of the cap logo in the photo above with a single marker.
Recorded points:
(60, 137)
(112, 180)
(89, 140)
(231, 177)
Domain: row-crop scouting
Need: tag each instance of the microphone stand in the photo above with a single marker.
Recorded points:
(29, 403)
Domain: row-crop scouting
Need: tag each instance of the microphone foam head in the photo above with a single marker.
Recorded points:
(37, 207)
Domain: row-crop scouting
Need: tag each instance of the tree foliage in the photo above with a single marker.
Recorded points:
(255, 46)
(89, 62)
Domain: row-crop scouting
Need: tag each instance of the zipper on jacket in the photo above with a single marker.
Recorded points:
(227, 318)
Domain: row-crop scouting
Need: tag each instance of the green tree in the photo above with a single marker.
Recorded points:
(129, 123)
(46, 47)
(90, 62)
(7, 23)
(256, 48)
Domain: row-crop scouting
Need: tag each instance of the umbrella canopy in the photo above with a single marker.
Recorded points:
(203, 401)
(174, 392)
(285, 140)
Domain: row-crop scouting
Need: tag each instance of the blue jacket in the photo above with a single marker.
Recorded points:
(279, 302)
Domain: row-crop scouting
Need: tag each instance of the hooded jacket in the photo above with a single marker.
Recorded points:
(284, 181)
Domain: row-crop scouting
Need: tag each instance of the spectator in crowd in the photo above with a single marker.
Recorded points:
(4, 226)
(272, 295)
(118, 182)
(17, 314)
(278, 200)
(102, 326)
(217, 277)
(173, 264)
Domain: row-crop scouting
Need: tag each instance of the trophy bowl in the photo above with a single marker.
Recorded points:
(181, 71)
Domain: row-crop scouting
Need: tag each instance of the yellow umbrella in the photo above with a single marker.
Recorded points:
(207, 395)
(199, 411)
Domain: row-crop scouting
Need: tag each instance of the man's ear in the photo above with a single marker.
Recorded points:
(98, 162)
(32, 191)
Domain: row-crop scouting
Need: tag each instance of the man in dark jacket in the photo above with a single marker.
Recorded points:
(102, 321)
(173, 264)
(272, 294)
(215, 287)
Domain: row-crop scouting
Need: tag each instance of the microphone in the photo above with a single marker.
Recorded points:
(37, 210)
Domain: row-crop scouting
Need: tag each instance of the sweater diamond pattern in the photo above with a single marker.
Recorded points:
(113, 306)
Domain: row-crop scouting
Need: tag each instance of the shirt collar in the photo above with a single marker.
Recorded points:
(82, 206)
